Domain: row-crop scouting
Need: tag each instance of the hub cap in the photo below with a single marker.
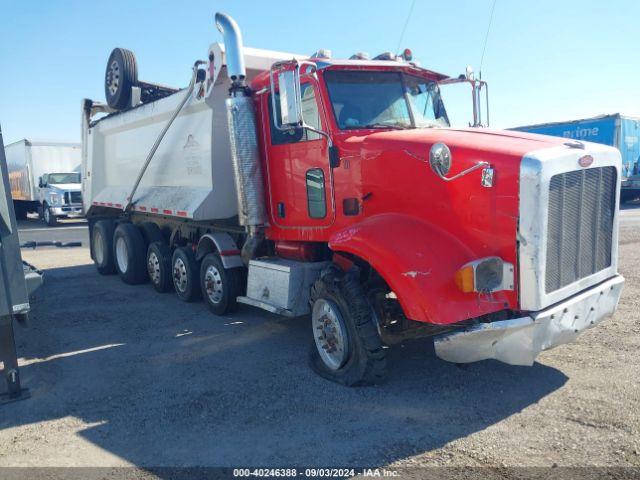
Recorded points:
(213, 284)
(330, 333)
(153, 267)
(113, 77)
(47, 215)
(121, 254)
(180, 278)
(98, 250)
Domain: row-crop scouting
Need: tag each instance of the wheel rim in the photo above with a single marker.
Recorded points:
(47, 215)
(213, 284)
(180, 278)
(113, 77)
(330, 334)
(153, 266)
(98, 249)
(121, 254)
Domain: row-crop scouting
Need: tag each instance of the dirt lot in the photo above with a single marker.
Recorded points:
(123, 376)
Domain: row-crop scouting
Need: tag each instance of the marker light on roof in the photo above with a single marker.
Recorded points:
(322, 53)
(359, 56)
(407, 54)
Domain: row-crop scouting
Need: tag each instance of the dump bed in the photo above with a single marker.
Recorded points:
(27, 161)
(191, 173)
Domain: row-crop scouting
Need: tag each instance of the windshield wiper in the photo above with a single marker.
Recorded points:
(397, 126)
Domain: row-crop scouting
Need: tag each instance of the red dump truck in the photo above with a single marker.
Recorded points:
(336, 189)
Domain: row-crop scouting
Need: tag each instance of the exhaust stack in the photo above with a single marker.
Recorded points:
(233, 48)
(244, 141)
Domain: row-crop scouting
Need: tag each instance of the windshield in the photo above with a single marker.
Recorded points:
(370, 99)
(55, 178)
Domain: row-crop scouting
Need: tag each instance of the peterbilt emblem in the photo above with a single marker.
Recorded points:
(585, 161)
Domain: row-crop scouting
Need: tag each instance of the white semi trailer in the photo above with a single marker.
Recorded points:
(45, 178)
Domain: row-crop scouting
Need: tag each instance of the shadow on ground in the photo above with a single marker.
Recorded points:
(165, 383)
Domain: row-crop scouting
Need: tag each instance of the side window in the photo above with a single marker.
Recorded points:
(316, 202)
(311, 117)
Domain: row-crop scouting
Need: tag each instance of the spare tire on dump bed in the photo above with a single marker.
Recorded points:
(120, 76)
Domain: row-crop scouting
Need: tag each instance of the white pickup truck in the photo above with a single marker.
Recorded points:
(45, 178)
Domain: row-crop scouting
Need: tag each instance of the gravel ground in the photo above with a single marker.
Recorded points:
(123, 376)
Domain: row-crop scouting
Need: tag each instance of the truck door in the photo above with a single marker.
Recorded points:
(299, 177)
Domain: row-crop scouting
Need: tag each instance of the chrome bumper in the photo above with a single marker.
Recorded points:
(520, 340)
(67, 210)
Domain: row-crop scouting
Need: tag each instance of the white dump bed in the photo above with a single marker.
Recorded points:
(191, 174)
(27, 161)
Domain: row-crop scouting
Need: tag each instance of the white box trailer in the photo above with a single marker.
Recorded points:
(45, 178)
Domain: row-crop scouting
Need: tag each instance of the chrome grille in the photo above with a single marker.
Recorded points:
(73, 197)
(580, 225)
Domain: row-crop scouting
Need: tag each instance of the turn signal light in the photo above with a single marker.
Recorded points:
(485, 275)
(464, 279)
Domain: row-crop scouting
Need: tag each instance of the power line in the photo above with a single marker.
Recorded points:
(405, 25)
(486, 37)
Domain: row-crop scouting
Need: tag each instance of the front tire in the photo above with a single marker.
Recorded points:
(347, 348)
(185, 272)
(49, 218)
(220, 286)
(130, 254)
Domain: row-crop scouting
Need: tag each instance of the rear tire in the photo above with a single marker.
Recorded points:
(121, 74)
(346, 346)
(102, 247)
(130, 254)
(185, 274)
(220, 286)
(159, 266)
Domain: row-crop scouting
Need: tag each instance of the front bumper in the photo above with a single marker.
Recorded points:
(519, 341)
(67, 210)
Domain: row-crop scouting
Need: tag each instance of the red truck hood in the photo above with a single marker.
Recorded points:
(504, 142)
(397, 179)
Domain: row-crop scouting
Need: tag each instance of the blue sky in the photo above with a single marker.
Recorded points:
(545, 60)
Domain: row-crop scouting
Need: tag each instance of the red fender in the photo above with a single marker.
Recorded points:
(418, 261)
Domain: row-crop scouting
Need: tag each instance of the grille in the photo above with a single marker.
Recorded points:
(73, 197)
(580, 225)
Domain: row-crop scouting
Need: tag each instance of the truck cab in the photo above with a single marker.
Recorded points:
(60, 196)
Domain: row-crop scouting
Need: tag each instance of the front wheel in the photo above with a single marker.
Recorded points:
(347, 348)
(49, 218)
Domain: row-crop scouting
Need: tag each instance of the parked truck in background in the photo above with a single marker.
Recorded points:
(619, 131)
(336, 188)
(45, 179)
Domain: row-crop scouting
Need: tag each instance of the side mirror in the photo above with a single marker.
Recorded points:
(290, 101)
(40, 183)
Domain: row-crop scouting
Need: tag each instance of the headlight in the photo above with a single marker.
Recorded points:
(485, 275)
(54, 198)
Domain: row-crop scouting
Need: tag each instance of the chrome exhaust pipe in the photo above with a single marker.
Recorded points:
(245, 155)
(233, 48)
